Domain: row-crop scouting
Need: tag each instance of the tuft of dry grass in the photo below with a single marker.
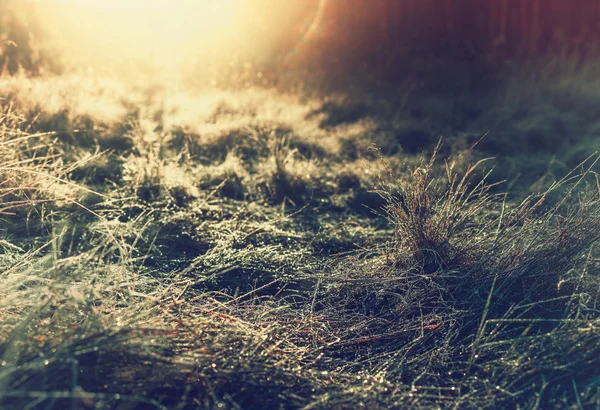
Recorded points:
(429, 218)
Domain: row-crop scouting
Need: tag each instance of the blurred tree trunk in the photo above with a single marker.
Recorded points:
(462, 27)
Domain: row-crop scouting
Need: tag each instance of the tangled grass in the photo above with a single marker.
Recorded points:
(137, 272)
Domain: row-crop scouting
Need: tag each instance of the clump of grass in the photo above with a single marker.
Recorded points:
(293, 179)
(467, 290)
(229, 178)
(146, 179)
(99, 169)
(429, 216)
(31, 172)
(283, 184)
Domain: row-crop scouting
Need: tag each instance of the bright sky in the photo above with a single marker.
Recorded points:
(172, 30)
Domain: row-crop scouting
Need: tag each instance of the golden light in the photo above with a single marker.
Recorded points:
(172, 32)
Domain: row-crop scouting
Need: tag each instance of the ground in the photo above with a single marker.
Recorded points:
(334, 243)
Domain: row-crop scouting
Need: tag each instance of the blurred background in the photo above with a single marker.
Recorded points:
(378, 33)
(525, 73)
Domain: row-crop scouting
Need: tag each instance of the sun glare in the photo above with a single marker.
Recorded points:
(170, 32)
(151, 26)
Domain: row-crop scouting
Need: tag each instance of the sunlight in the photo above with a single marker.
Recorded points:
(152, 26)
(171, 32)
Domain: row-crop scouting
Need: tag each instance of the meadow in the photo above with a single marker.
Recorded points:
(301, 240)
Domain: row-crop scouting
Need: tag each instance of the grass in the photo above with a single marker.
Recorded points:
(245, 249)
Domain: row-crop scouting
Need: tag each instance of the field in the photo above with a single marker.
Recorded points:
(305, 240)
